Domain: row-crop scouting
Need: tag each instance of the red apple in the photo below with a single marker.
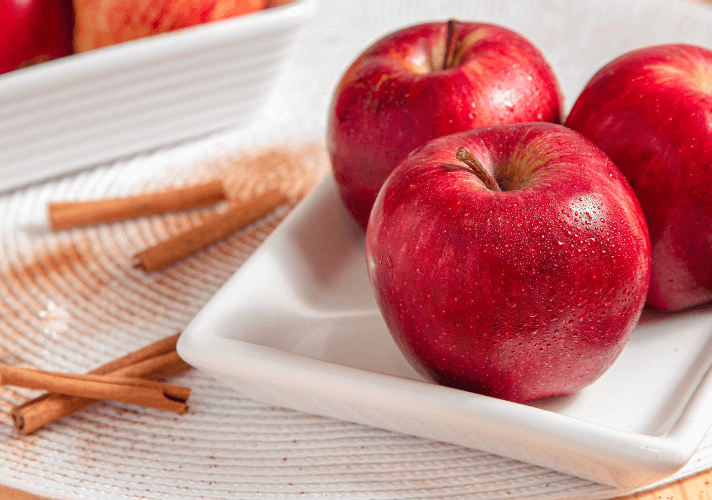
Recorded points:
(511, 261)
(34, 31)
(650, 110)
(424, 82)
(106, 22)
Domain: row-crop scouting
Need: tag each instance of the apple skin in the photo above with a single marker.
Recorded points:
(520, 294)
(650, 110)
(396, 96)
(100, 23)
(34, 31)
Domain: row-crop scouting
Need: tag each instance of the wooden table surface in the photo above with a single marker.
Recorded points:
(698, 487)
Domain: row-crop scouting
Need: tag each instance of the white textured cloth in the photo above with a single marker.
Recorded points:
(71, 300)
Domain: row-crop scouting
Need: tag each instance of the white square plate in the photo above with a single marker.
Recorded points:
(105, 104)
(297, 326)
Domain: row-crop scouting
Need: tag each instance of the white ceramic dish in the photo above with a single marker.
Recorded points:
(105, 104)
(297, 326)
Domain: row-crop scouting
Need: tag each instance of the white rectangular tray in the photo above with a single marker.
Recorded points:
(297, 326)
(108, 103)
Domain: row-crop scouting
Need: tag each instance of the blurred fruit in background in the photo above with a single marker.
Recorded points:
(34, 31)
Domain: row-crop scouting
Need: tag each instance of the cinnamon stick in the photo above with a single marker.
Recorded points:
(130, 390)
(214, 229)
(155, 361)
(164, 346)
(64, 215)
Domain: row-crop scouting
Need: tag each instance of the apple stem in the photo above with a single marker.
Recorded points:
(452, 26)
(464, 155)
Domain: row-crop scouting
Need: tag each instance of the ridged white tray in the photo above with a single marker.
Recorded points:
(109, 103)
(297, 326)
